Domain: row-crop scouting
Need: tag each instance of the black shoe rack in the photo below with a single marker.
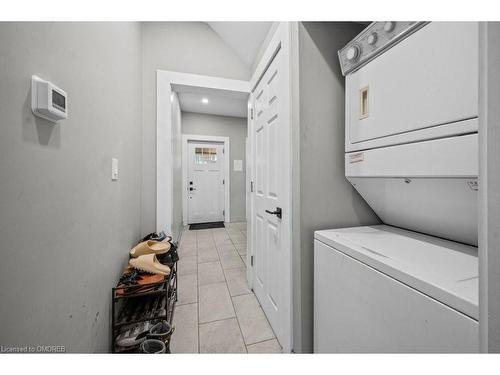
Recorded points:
(132, 307)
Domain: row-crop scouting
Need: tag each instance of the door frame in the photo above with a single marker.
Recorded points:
(166, 82)
(489, 212)
(186, 138)
(281, 40)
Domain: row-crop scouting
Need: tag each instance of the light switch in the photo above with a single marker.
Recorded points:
(238, 165)
(114, 169)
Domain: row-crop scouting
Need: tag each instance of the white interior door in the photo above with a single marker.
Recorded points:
(271, 163)
(205, 184)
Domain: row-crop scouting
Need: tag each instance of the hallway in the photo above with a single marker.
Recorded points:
(216, 311)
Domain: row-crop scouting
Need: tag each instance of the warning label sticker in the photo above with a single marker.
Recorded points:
(356, 158)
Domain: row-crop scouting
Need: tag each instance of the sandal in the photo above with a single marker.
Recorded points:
(149, 263)
(149, 247)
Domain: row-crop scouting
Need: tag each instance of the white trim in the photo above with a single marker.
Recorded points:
(280, 40)
(249, 196)
(295, 162)
(489, 209)
(164, 168)
(227, 172)
(483, 191)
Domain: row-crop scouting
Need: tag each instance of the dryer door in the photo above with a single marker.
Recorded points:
(429, 187)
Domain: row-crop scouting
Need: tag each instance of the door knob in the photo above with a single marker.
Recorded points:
(191, 189)
(278, 212)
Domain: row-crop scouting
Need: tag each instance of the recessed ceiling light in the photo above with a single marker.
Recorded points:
(204, 101)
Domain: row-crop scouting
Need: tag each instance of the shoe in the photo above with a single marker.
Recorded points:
(171, 257)
(135, 335)
(152, 347)
(174, 253)
(149, 263)
(161, 237)
(160, 331)
(150, 247)
(168, 259)
(135, 282)
(157, 237)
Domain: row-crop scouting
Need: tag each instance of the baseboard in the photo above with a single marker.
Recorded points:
(238, 219)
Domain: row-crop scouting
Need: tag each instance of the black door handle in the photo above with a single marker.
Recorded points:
(278, 212)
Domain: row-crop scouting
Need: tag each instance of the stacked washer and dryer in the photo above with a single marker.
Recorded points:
(411, 151)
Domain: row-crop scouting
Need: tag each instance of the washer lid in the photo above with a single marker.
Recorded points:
(444, 270)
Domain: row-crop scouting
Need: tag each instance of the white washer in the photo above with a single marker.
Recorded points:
(381, 289)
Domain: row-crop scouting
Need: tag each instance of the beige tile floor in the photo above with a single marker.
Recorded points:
(216, 311)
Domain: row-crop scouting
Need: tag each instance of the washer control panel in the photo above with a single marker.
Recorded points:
(373, 41)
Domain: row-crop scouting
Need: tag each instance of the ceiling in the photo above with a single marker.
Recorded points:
(244, 38)
(220, 102)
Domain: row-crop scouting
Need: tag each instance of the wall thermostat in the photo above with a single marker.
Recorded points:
(47, 100)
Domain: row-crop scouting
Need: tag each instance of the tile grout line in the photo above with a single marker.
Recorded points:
(218, 320)
(237, 252)
(260, 342)
(197, 294)
(231, 298)
(180, 248)
(197, 285)
(246, 243)
(236, 249)
(211, 235)
(260, 306)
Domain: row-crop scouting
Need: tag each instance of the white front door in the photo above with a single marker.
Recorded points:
(205, 182)
(270, 227)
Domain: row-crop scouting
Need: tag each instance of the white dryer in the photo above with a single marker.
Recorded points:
(412, 153)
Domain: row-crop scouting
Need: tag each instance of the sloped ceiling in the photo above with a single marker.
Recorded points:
(244, 38)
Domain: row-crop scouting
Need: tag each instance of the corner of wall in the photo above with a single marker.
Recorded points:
(321, 142)
(263, 47)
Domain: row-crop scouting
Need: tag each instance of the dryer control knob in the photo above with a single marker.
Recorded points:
(389, 26)
(372, 39)
(352, 53)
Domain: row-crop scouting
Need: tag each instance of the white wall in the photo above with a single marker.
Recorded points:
(326, 199)
(65, 227)
(236, 129)
(188, 47)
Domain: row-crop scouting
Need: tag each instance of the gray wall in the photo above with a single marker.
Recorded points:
(188, 47)
(236, 129)
(65, 227)
(489, 181)
(327, 200)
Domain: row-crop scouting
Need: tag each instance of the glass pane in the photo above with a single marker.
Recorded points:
(212, 155)
(205, 155)
(198, 156)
